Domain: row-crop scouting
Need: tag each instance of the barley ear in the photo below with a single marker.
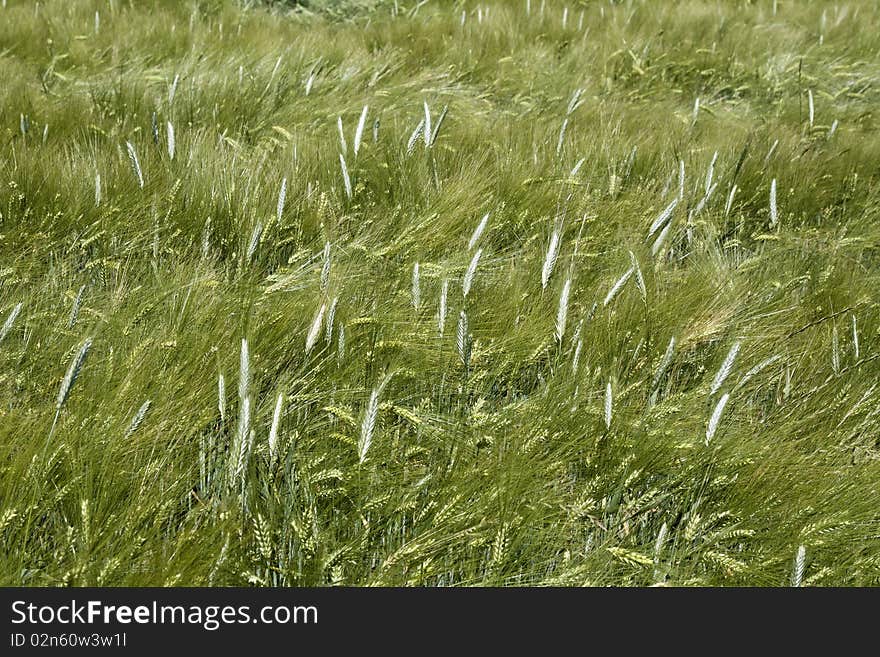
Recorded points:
(69, 379)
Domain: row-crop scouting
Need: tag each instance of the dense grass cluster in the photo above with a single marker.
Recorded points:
(439, 293)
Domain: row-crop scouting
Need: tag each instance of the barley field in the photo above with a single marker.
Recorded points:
(499, 293)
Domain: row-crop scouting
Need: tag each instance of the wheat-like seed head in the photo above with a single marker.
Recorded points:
(427, 130)
(273, 431)
(725, 369)
(664, 362)
(855, 337)
(730, 200)
(811, 106)
(325, 267)
(660, 542)
(368, 424)
(470, 273)
(835, 351)
(438, 124)
(478, 231)
(702, 204)
(171, 141)
(716, 417)
(315, 329)
(561, 136)
(138, 418)
(562, 311)
(244, 371)
(206, 239)
(681, 180)
(342, 143)
(331, 314)
(345, 179)
(441, 313)
(662, 218)
(575, 101)
(359, 132)
(242, 444)
(172, 90)
(74, 311)
(282, 196)
(135, 163)
(609, 401)
(661, 239)
(462, 337)
(640, 280)
(10, 320)
(550, 259)
(413, 138)
(577, 355)
(254, 241)
(72, 373)
(416, 289)
(221, 397)
(800, 564)
(774, 216)
(618, 285)
(710, 173)
(755, 370)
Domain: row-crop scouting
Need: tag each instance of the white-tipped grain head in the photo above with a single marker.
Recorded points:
(345, 178)
(359, 133)
(562, 310)
(550, 259)
(171, 140)
(662, 218)
(462, 338)
(774, 216)
(478, 231)
(10, 320)
(244, 371)
(617, 287)
(343, 146)
(282, 197)
(416, 287)
(315, 329)
(221, 397)
(73, 372)
(427, 129)
(368, 425)
(273, 432)
(441, 312)
(716, 417)
(609, 403)
(325, 267)
(800, 564)
(725, 369)
(135, 163)
(414, 137)
(470, 273)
